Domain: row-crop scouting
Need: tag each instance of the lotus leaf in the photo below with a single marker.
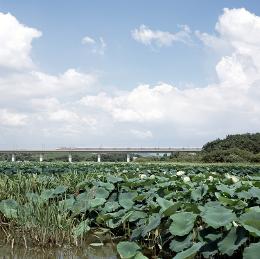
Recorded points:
(101, 192)
(126, 199)
(154, 221)
(127, 249)
(234, 239)
(199, 193)
(190, 252)
(96, 202)
(183, 223)
(251, 221)
(181, 243)
(218, 216)
(81, 229)
(252, 252)
(9, 208)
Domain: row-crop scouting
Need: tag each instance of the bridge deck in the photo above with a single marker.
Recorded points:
(105, 150)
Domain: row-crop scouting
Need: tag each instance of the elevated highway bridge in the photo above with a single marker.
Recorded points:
(101, 150)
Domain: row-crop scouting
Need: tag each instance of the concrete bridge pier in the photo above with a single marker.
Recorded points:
(127, 158)
(13, 157)
(99, 158)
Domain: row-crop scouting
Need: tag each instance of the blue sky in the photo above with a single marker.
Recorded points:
(124, 63)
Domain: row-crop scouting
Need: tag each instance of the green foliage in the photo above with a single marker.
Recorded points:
(150, 208)
(234, 148)
(252, 252)
(182, 224)
(248, 142)
(127, 250)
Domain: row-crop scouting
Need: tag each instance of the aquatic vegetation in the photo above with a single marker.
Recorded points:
(146, 210)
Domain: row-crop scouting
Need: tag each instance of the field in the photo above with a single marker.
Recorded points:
(141, 210)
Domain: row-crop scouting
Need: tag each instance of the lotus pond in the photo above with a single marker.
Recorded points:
(132, 210)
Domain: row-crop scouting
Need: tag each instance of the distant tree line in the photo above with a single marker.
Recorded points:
(76, 157)
(233, 148)
(239, 148)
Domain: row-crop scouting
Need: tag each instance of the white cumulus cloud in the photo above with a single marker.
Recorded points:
(97, 46)
(15, 42)
(147, 36)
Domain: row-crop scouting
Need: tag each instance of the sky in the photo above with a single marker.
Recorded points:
(128, 73)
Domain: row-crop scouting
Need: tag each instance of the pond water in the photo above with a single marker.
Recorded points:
(107, 251)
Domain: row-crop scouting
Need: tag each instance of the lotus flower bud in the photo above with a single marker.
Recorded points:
(211, 178)
(186, 179)
(180, 173)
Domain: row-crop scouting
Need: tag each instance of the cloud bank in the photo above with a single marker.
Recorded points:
(67, 108)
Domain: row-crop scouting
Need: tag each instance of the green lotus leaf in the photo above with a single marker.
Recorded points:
(251, 221)
(168, 207)
(111, 206)
(244, 195)
(114, 179)
(108, 186)
(218, 216)
(190, 252)
(213, 237)
(101, 192)
(255, 192)
(127, 249)
(181, 243)
(226, 189)
(96, 202)
(165, 204)
(233, 240)
(137, 232)
(136, 215)
(9, 208)
(252, 252)
(67, 204)
(81, 229)
(60, 190)
(154, 222)
(236, 203)
(199, 193)
(47, 194)
(139, 255)
(81, 204)
(183, 223)
(209, 249)
(126, 199)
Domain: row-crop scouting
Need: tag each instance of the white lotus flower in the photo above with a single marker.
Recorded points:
(142, 176)
(186, 179)
(180, 173)
(235, 224)
(234, 179)
(227, 175)
(211, 178)
(152, 176)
